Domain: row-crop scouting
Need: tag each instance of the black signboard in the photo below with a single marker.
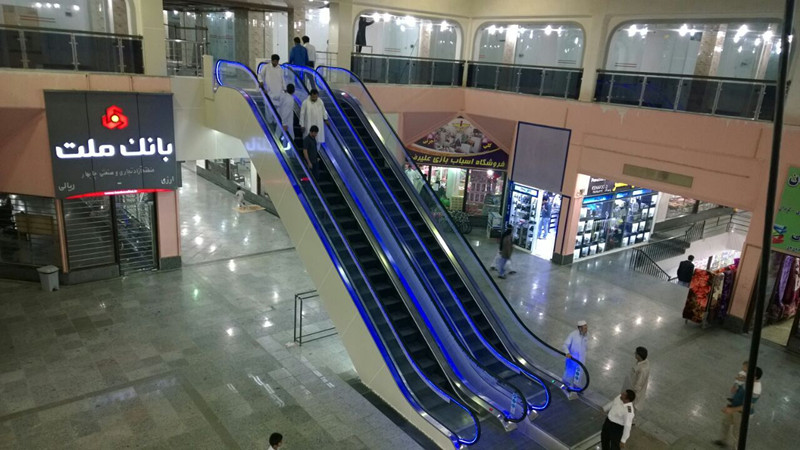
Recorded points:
(599, 186)
(106, 143)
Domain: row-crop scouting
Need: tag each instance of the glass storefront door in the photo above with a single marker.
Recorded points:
(533, 215)
(615, 220)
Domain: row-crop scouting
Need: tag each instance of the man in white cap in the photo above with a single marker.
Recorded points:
(575, 348)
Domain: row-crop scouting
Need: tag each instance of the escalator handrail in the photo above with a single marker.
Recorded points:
(322, 84)
(312, 215)
(449, 219)
(335, 134)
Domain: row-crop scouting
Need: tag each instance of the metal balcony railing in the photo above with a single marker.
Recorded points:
(185, 58)
(730, 97)
(532, 80)
(403, 70)
(47, 48)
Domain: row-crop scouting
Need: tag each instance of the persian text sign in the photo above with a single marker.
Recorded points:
(459, 144)
(786, 230)
(102, 142)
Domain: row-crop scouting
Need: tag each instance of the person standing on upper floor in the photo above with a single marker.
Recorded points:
(617, 427)
(361, 34)
(638, 378)
(312, 112)
(286, 110)
(311, 50)
(575, 347)
(298, 56)
(686, 271)
(274, 82)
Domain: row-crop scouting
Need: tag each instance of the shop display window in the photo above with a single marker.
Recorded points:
(240, 172)
(484, 192)
(615, 220)
(449, 184)
(28, 230)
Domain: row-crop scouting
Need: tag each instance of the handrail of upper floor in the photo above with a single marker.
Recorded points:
(688, 77)
(462, 240)
(525, 66)
(287, 145)
(78, 32)
(325, 91)
(420, 58)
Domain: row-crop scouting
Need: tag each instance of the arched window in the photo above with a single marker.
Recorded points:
(732, 49)
(396, 35)
(535, 44)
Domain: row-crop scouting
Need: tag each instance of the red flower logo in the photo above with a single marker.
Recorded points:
(114, 118)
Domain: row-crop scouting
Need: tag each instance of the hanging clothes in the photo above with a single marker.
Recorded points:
(697, 298)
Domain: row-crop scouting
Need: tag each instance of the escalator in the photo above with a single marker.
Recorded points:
(357, 259)
(385, 187)
(565, 424)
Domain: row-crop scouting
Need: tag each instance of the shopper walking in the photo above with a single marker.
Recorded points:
(617, 427)
(638, 378)
(575, 348)
(275, 441)
(298, 56)
(239, 197)
(311, 50)
(686, 271)
(312, 112)
(732, 413)
(506, 247)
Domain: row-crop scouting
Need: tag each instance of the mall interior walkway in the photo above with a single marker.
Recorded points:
(201, 357)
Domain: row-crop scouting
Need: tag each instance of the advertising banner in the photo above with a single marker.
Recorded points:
(598, 186)
(459, 144)
(107, 143)
(786, 230)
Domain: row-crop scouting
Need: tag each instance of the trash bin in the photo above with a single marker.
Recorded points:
(48, 275)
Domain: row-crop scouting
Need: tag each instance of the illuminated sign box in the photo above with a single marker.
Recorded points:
(103, 143)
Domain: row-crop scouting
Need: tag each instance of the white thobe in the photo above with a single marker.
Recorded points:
(313, 113)
(575, 345)
(286, 111)
(274, 83)
(312, 53)
(637, 381)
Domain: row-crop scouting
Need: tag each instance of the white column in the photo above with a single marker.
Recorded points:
(149, 22)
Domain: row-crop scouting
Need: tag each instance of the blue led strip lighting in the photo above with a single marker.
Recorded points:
(321, 84)
(460, 237)
(335, 259)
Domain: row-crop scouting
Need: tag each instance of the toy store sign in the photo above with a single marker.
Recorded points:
(459, 144)
(110, 142)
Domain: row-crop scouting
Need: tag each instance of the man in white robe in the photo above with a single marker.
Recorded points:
(273, 80)
(575, 348)
(312, 112)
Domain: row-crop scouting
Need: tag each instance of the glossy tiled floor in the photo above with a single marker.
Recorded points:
(692, 368)
(198, 358)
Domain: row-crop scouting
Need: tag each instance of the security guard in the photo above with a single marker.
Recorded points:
(617, 427)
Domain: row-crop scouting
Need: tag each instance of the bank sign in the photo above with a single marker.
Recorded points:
(110, 142)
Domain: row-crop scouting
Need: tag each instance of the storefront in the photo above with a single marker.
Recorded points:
(614, 216)
(533, 215)
(464, 167)
(114, 177)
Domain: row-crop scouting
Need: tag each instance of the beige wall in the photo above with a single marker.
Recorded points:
(727, 158)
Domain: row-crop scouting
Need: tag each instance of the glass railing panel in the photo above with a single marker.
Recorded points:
(421, 71)
(530, 80)
(738, 99)
(627, 89)
(10, 49)
(98, 54)
(445, 73)
(507, 78)
(697, 95)
(556, 83)
(546, 358)
(660, 92)
(767, 110)
(485, 77)
(574, 84)
(602, 87)
(49, 51)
